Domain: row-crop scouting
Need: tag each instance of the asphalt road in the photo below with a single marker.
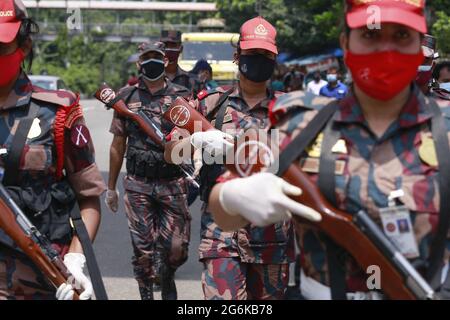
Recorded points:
(113, 244)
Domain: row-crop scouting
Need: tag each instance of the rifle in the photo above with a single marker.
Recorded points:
(107, 96)
(357, 234)
(28, 238)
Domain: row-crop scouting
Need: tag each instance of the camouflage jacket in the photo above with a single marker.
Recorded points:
(274, 244)
(153, 105)
(372, 167)
(187, 80)
(39, 161)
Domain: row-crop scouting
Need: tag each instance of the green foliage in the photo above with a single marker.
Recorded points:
(84, 64)
(304, 27)
(311, 26)
(441, 29)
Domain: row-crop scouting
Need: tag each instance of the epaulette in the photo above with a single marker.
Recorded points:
(62, 98)
(297, 99)
(205, 93)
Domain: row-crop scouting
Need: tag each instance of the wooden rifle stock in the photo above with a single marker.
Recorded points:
(357, 234)
(107, 96)
(12, 221)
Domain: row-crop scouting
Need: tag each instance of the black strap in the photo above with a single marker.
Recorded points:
(439, 132)
(94, 271)
(291, 153)
(336, 270)
(18, 143)
(327, 186)
(327, 163)
(130, 94)
(220, 108)
(305, 138)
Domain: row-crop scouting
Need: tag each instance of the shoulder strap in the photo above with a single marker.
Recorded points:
(327, 186)
(88, 250)
(327, 163)
(439, 132)
(287, 157)
(129, 94)
(20, 137)
(220, 109)
(305, 138)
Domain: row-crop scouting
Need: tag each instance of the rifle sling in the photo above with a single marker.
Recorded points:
(290, 154)
(327, 185)
(293, 151)
(12, 162)
(91, 260)
(219, 109)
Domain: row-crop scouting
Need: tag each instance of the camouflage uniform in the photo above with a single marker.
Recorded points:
(37, 188)
(181, 77)
(234, 259)
(155, 191)
(373, 167)
(187, 80)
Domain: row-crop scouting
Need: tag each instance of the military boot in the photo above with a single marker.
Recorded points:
(158, 261)
(168, 287)
(146, 291)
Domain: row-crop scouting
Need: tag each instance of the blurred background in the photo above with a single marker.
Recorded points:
(88, 42)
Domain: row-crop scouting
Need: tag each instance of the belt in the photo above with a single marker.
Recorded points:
(314, 290)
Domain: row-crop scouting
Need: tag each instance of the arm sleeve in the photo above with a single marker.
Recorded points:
(79, 163)
(118, 127)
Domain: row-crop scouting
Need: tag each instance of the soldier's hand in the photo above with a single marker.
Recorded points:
(112, 200)
(65, 292)
(75, 264)
(214, 142)
(263, 199)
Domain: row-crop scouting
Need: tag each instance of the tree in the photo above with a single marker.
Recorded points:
(312, 26)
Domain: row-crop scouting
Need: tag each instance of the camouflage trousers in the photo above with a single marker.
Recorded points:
(20, 279)
(230, 279)
(159, 223)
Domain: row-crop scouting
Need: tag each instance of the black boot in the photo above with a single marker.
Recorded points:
(157, 263)
(168, 287)
(146, 292)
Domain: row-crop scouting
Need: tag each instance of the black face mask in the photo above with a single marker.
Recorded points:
(152, 69)
(256, 68)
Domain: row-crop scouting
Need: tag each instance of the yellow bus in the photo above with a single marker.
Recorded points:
(217, 48)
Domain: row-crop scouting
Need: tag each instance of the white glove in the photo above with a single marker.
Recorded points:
(112, 200)
(75, 263)
(213, 141)
(263, 200)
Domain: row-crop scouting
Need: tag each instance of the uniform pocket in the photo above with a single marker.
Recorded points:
(36, 158)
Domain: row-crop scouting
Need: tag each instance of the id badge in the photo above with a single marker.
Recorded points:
(398, 228)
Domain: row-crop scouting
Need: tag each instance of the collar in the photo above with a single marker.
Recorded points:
(414, 111)
(20, 94)
(166, 90)
(237, 94)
